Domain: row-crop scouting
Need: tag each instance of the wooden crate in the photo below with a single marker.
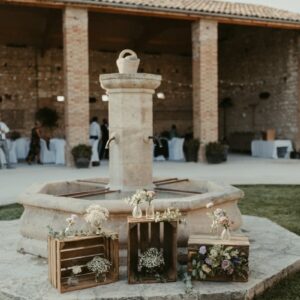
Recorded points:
(144, 234)
(237, 242)
(71, 251)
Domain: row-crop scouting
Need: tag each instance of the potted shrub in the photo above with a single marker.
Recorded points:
(82, 155)
(216, 152)
(191, 148)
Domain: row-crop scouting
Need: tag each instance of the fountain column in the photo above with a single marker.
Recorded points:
(130, 125)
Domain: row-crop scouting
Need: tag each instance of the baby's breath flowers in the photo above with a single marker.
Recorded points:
(151, 261)
(170, 214)
(100, 266)
(76, 270)
(95, 216)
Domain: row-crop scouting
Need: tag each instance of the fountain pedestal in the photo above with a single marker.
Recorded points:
(130, 124)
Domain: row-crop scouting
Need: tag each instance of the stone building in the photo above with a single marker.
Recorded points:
(226, 67)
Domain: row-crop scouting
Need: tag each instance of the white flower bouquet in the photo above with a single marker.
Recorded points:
(95, 216)
(151, 261)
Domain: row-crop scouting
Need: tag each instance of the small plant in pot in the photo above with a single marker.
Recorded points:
(82, 155)
(191, 148)
(216, 152)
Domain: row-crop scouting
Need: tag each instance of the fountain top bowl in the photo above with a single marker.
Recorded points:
(130, 81)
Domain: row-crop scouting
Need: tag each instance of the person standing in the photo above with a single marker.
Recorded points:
(35, 146)
(95, 133)
(105, 136)
(3, 144)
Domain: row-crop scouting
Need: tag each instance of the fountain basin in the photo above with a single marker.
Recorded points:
(44, 205)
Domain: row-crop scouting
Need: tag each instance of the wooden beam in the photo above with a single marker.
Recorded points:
(45, 32)
(159, 13)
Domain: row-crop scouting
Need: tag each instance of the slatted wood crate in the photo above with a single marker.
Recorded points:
(144, 234)
(78, 251)
(239, 242)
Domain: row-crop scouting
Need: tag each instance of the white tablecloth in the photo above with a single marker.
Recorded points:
(176, 149)
(268, 149)
(22, 147)
(47, 156)
(58, 147)
(12, 153)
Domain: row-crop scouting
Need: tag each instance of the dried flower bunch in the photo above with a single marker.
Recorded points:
(99, 265)
(219, 260)
(219, 218)
(70, 223)
(95, 216)
(170, 214)
(76, 270)
(139, 197)
(151, 261)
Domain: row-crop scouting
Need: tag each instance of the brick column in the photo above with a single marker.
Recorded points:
(205, 82)
(76, 78)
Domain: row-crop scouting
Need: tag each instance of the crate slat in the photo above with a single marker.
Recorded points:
(139, 240)
(64, 254)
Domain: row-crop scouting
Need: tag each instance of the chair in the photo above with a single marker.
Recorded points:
(58, 147)
(46, 156)
(22, 148)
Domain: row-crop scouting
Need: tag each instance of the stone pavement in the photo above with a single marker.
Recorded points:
(274, 254)
(240, 169)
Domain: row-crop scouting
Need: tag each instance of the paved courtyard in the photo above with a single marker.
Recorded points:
(240, 169)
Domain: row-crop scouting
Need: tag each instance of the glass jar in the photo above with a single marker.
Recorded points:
(72, 280)
(137, 212)
(150, 211)
(225, 235)
(100, 277)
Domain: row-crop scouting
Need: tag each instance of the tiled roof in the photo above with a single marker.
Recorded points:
(210, 7)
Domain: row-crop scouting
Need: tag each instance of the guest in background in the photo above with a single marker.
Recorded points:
(3, 144)
(105, 136)
(95, 131)
(35, 146)
(173, 132)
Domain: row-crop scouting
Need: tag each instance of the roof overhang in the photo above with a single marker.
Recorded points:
(166, 13)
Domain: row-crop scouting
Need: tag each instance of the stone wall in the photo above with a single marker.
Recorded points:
(21, 93)
(252, 63)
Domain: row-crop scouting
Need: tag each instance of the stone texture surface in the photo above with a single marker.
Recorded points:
(43, 208)
(205, 82)
(131, 123)
(253, 61)
(274, 254)
(76, 76)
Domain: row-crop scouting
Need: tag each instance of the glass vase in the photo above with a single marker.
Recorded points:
(137, 212)
(150, 211)
(100, 277)
(225, 234)
(72, 280)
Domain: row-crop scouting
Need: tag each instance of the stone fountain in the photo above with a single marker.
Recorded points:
(130, 168)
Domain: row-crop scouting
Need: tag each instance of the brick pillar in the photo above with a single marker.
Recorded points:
(205, 82)
(76, 78)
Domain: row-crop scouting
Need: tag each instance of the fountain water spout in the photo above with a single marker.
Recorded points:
(154, 138)
(112, 138)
